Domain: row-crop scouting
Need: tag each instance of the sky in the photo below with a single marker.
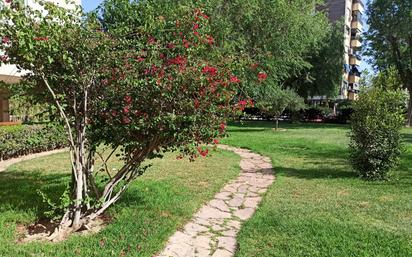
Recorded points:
(89, 5)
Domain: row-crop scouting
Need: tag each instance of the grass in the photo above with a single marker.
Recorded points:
(153, 208)
(318, 206)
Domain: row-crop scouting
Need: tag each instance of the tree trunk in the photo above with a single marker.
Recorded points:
(277, 124)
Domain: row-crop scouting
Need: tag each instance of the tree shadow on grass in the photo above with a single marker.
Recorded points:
(316, 173)
(19, 190)
(407, 138)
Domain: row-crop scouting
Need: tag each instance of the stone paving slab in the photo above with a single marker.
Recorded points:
(213, 229)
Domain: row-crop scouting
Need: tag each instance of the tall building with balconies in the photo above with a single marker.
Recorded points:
(10, 73)
(351, 11)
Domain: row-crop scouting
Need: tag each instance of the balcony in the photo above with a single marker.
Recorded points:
(357, 24)
(353, 60)
(358, 7)
(354, 79)
(353, 96)
(353, 87)
(355, 43)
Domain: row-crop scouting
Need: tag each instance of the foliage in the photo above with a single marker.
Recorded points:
(387, 79)
(324, 76)
(273, 100)
(261, 36)
(390, 40)
(27, 111)
(156, 84)
(19, 140)
(375, 145)
(317, 112)
(345, 111)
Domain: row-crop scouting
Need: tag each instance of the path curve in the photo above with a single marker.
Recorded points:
(7, 163)
(213, 229)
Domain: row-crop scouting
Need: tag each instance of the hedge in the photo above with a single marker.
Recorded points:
(19, 140)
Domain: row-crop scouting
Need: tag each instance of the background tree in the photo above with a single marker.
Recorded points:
(155, 86)
(390, 40)
(273, 100)
(387, 79)
(324, 76)
(276, 38)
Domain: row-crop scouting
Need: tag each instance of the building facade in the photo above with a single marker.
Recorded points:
(10, 73)
(351, 11)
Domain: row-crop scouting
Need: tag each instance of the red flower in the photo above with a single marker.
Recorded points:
(170, 45)
(151, 40)
(126, 120)
(5, 40)
(140, 59)
(204, 16)
(197, 103)
(210, 40)
(212, 71)
(195, 26)
(114, 113)
(128, 99)
(262, 76)
(186, 43)
(126, 110)
(254, 66)
(222, 127)
(234, 79)
(243, 102)
(196, 33)
(179, 60)
(41, 38)
(202, 152)
(215, 141)
(4, 58)
(8, 1)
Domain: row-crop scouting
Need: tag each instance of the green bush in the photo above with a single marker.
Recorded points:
(375, 138)
(22, 140)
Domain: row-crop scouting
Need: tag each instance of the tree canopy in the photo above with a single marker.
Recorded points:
(390, 39)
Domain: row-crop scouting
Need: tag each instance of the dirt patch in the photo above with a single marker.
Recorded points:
(42, 229)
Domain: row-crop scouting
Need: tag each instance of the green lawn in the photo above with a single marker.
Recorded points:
(160, 202)
(318, 206)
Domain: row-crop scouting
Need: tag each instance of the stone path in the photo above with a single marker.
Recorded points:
(213, 229)
(7, 163)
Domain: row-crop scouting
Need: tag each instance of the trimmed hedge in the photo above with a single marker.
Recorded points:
(19, 140)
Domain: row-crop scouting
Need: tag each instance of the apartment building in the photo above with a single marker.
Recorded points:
(10, 73)
(351, 11)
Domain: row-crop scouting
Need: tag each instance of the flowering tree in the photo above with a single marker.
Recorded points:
(157, 87)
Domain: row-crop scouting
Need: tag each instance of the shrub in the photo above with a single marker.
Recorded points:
(317, 112)
(375, 139)
(22, 140)
(345, 111)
